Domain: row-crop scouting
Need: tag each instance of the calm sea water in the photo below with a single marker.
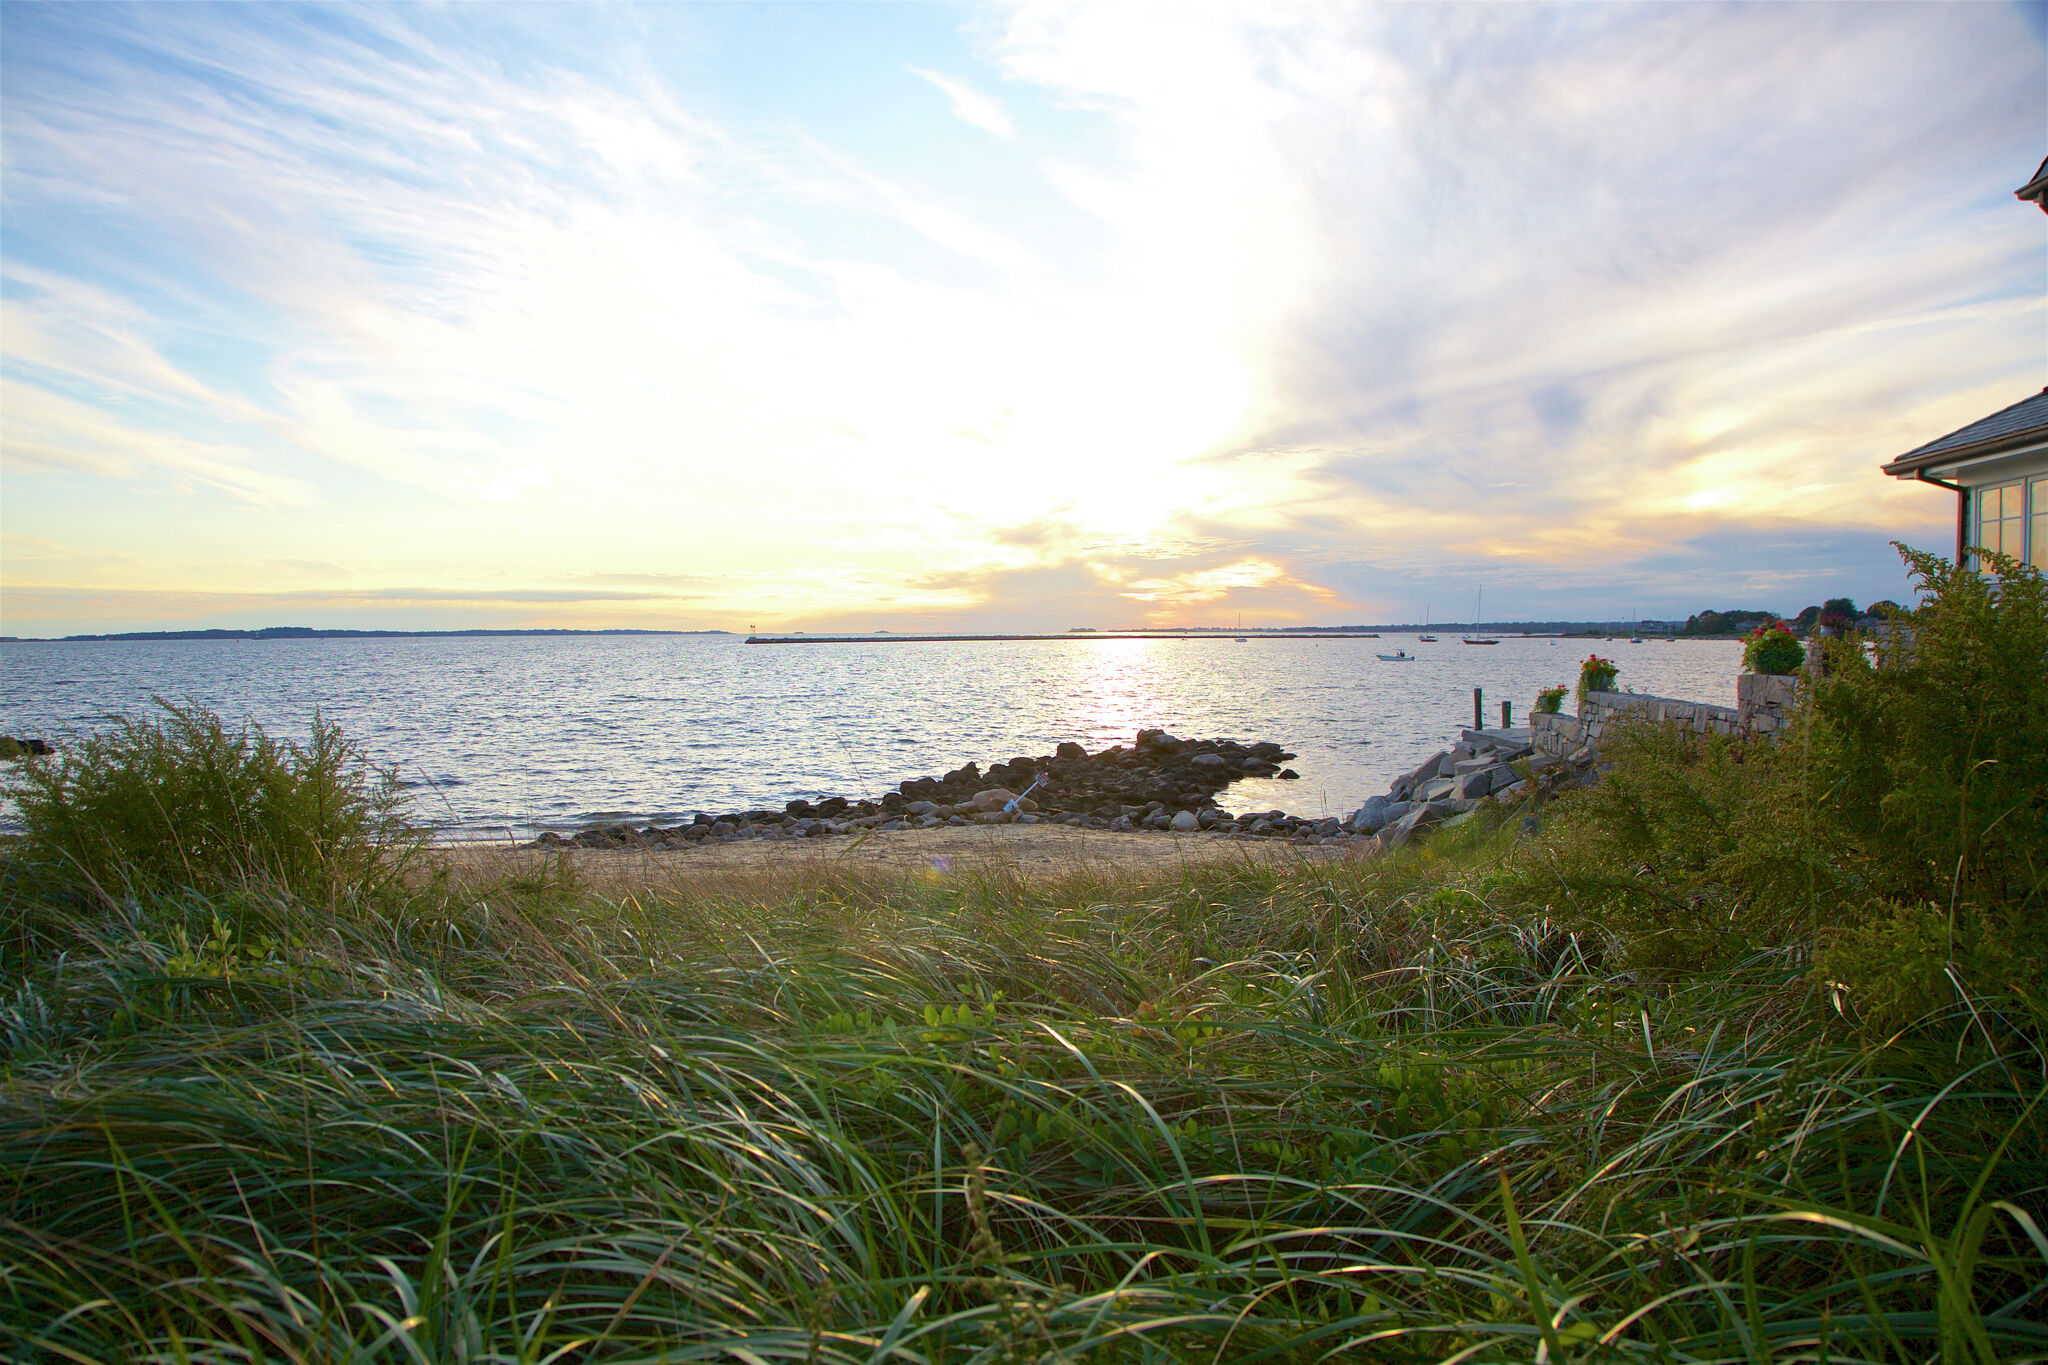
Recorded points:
(506, 736)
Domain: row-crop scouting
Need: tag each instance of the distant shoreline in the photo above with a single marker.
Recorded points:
(313, 633)
(1221, 636)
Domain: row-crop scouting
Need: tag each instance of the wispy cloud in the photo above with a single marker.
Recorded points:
(970, 105)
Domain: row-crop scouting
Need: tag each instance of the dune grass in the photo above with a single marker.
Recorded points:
(1376, 1111)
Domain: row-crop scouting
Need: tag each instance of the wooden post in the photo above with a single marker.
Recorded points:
(1507, 712)
(1478, 716)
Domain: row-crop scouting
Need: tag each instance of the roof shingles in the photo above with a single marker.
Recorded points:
(2020, 424)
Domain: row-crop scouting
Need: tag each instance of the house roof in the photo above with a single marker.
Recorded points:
(2036, 189)
(2025, 423)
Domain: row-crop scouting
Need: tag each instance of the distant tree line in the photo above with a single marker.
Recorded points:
(1726, 622)
(1837, 613)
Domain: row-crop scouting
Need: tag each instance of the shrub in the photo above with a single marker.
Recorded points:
(1938, 761)
(150, 806)
(1551, 699)
(1690, 854)
(1921, 784)
(1772, 648)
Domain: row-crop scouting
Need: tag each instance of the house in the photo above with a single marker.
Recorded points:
(2036, 189)
(1997, 466)
(1998, 469)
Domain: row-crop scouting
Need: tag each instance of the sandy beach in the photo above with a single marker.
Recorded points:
(1042, 850)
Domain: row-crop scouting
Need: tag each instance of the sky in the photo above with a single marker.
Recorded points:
(1018, 316)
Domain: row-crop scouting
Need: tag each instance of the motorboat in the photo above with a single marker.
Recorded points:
(1399, 656)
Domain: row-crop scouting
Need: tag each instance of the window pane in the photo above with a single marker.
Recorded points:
(2039, 558)
(2040, 489)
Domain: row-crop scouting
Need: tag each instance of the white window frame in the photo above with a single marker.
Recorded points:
(2034, 514)
(2029, 549)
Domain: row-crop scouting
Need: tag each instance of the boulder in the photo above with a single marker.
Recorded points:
(993, 798)
(1186, 822)
(1474, 785)
(1369, 817)
(1404, 829)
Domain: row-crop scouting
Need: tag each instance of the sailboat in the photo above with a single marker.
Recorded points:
(1426, 637)
(1477, 597)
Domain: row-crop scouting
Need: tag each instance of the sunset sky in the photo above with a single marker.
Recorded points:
(1009, 316)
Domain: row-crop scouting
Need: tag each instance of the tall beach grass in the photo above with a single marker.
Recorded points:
(1366, 1112)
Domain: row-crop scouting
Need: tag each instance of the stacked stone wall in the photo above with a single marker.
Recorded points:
(1764, 706)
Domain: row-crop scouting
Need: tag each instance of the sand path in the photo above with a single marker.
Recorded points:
(1034, 850)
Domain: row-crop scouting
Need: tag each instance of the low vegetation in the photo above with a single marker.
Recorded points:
(1717, 1067)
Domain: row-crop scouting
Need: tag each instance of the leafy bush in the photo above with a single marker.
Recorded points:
(1772, 648)
(1551, 699)
(1922, 784)
(150, 806)
(1937, 762)
(1689, 854)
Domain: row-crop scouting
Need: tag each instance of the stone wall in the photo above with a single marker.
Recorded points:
(1764, 704)
(1555, 732)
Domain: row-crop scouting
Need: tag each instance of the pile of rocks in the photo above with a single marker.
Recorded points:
(1159, 782)
(1485, 767)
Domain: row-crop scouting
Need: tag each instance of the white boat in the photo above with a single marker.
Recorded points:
(1399, 656)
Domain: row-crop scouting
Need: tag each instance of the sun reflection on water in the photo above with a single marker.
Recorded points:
(1113, 689)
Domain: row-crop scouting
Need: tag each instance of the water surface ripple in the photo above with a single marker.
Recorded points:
(510, 735)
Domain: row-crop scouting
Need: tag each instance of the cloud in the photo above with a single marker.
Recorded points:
(971, 105)
(46, 431)
(1380, 299)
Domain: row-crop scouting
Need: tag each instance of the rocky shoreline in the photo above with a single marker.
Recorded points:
(1158, 783)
